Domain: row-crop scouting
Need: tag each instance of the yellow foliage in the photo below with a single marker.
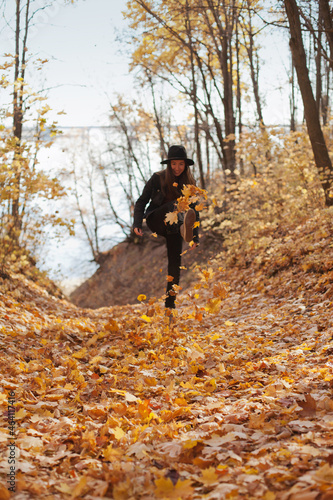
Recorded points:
(166, 489)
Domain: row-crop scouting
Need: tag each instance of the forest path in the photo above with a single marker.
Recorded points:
(231, 399)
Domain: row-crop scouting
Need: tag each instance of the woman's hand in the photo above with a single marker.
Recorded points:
(138, 231)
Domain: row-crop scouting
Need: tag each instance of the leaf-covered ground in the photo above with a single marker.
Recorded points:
(232, 398)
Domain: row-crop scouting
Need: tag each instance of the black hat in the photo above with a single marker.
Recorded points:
(178, 153)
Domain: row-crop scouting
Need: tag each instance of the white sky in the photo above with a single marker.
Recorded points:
(84, 60)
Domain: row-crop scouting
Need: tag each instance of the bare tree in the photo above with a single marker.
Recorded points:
(320, 151)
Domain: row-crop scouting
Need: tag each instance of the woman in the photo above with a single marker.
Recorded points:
(162, 191)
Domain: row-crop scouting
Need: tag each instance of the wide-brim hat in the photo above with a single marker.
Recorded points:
(178, 153)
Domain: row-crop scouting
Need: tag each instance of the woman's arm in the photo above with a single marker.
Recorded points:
(140, 205)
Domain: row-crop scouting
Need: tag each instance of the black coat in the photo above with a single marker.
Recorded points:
(153, 195)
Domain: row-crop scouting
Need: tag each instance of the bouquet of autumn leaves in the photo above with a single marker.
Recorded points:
(191, 195)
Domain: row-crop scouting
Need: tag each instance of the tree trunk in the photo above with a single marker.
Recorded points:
(17, 127)
(207, 146)
(229, 143)
(319, 64)
(239, 96)
(320, 151)
(238, 92)
(158, 122)
(225, 34)
(325, 98)
(328, 24)
(195, 99)
(254, 74)
(292, 99)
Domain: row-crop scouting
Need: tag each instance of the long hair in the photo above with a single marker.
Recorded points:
(168, 179)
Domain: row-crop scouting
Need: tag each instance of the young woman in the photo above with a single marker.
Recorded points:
(161, 192)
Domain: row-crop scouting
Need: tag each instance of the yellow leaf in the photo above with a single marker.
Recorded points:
(209, 476)
(95, 359)
(4, 493)
(146, 318)
(80, 354)
(180, 402)
(112, 326)
(111, 454)
(150, 381)
(196, 224)
(141, 297)
(171, 218)
(20, 414)
(213, 306)
(229, 323)
(92, 340)
(325, 474)
(166, 489)
(118, 432)
(121, 490)
(22, 367)
(269, 495)
(210, 385)
(190, 443)
(64, 488)
(80, 487)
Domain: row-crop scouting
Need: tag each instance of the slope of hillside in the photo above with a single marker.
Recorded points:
(138, 266)
(231, 398)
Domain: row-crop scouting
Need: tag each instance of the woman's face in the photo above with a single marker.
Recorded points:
(178, 167)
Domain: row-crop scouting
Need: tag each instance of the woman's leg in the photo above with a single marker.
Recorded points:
(174, 241)
(155, 220)
(174, 248)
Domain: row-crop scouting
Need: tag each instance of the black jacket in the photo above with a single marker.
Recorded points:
(153, 195)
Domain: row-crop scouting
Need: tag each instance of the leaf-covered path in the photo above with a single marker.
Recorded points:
(230, 399)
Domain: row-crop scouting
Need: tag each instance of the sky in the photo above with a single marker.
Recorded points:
(85, 59)
(87, 66)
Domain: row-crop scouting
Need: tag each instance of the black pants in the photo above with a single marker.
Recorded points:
(174, 242)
